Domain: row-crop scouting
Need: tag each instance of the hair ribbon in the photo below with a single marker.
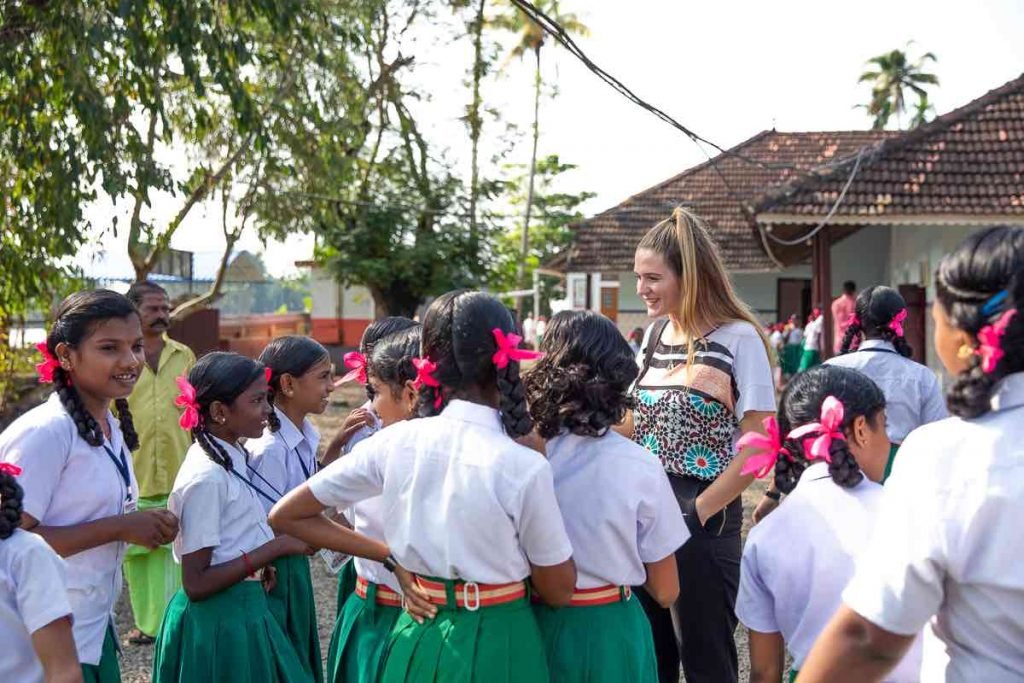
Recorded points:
(508, 349)
(356, 362)
(49, 365)
(828, 428)
(9, 469)
(268, 373)
(896, 324)
(990, 342)
(853, 321)
(768, 446)
(190, 418)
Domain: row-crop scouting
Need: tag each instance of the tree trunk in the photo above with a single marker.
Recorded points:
(475, 126)
(524, 243)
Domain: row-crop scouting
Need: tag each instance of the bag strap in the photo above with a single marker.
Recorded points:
(654, 336)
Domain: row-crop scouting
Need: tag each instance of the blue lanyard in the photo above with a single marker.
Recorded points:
(122, 469)
(302, 463)
(253, 486)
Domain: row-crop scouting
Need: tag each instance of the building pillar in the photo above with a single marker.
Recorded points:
(594, 296)
(821, 285)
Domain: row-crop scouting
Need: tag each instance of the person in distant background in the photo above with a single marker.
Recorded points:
(634, 339)
(152, 575)
(843, 308)
(530, 330)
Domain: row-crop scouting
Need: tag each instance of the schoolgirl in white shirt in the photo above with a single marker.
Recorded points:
(622, 518)
(285, 456)
(827, 450)
(874, 344)
(35, 615)
(80, 489)
(372, 603)
(946, 551)
(219, 626)
(472, 513)
(362, 422)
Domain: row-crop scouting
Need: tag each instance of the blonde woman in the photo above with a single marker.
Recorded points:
(705, 378)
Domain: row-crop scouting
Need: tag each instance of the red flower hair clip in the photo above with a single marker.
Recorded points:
(356, 362)
(896, 324)
(768, 446)
(190, 418)
(828, 428)
(425, 369)
(508, 349)
(49, 365)
(990, 342)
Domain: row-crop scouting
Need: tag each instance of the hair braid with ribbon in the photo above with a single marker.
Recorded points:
(11, 495)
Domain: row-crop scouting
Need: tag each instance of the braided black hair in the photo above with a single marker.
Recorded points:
(219, 376)
(391, 362)
(801, 404)
(76, 319)
(875, 309)
(11, 495)
(582, 385)
(457, 336)
(986, 264)
(292, 355)
(376, 331)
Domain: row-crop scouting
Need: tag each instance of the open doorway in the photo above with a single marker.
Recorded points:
(793, 297)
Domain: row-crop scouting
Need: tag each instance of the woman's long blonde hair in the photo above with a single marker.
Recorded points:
(707, 294)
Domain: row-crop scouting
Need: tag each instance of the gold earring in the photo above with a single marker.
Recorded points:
(964, 352)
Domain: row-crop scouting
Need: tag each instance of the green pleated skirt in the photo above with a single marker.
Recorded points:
(109, 669)
(359, 638)
(231, 636)
(291, 602)
(346, 584)
(809, 358)
(791, 358)
(499, 644)
(598, 644)
(893, 449)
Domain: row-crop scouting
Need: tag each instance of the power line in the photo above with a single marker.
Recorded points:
(554, 29)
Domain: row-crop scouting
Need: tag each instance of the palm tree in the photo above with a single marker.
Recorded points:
(890, 74)
(531, 38)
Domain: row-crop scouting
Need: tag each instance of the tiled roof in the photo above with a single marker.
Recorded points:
(723, 193)
(967, 162)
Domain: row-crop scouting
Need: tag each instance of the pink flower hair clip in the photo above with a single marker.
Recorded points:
(508, 349)
(828, 428)
(49, 366)
(990, 342)
(768, 446)
(425, 369)
(10, 469)
(356, 363)
(896, 324)
(190, 418)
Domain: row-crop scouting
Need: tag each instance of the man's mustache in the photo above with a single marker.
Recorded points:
(160, 321)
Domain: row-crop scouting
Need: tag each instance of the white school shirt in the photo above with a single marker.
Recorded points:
(33, 594)
(947, 549)
(461, 499)
(285, 458)
(812, 334)
(216, 508)
(619, 509)
(796, 335)
(68, 482)
(797, 561)
(912, 393)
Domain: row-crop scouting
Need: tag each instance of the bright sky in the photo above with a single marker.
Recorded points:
(726, 69)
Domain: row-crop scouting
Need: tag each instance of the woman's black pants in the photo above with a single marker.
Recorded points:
(699, 630)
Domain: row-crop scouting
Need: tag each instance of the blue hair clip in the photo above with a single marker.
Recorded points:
(993, 304)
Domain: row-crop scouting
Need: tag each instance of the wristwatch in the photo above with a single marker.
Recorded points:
(774, 495)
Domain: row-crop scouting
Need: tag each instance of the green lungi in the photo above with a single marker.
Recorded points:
(231, 636)
(791, 358)
(109, 669)
(359, 638)
(598, 644)
(153, 577)
(291, 602)
(492, 644)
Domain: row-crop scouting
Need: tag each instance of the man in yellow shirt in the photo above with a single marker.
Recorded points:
(152, 575)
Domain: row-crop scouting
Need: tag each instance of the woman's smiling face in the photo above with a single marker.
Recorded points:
(656, 283)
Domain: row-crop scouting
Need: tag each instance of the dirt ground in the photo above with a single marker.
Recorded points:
(136, 661)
